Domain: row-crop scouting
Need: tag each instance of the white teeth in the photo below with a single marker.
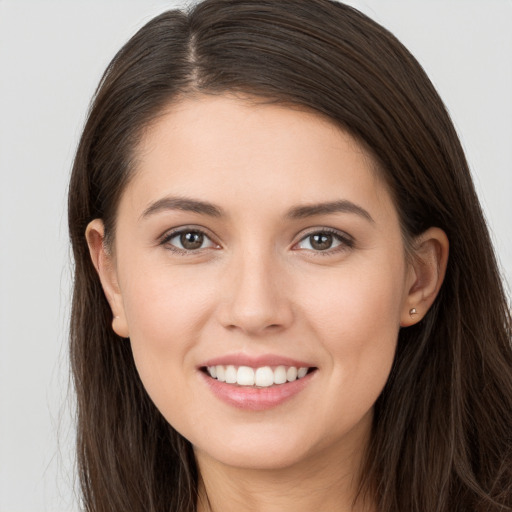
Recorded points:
(230, 374)
(245, 376)
(262, 377)
(280, 375)
(221, 373)
(291, 374)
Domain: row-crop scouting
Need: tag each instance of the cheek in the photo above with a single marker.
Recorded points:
(355, 300)
(357, 321)
(166, 311)
(163, 302)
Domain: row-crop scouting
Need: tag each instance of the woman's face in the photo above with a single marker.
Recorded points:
(259, 237)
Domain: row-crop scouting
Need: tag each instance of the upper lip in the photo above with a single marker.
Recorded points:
(255, 361)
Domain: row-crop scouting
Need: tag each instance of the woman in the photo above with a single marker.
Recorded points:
(285, 293)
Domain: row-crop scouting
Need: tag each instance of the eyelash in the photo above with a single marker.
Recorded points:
(165, 240)
(346, 242)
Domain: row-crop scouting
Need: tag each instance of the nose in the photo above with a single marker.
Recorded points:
(256, 296)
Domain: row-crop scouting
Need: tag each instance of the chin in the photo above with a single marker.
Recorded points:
(286, 446)
(256, 457)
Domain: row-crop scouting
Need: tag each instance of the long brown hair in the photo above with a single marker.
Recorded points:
(441, 439)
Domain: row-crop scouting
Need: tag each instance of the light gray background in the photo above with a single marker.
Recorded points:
(51, 57)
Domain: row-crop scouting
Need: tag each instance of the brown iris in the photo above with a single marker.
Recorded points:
(321, 241)
(191, 240)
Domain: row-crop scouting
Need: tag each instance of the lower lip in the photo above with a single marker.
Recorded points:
(256, 399)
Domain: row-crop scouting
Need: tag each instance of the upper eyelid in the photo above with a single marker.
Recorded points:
(331, 231)
(165, 239)
(346, 242)
(171, 233)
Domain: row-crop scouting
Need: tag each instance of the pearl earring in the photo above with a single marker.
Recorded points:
(413, 312)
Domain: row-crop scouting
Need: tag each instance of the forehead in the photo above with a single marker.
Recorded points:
(243, 153)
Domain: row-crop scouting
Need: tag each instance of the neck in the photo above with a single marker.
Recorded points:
(328, 482)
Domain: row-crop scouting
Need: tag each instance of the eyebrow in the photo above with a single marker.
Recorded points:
(342, 206)
(295, 213)
(184, 204)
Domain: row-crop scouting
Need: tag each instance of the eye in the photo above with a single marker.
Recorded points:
(325, 240)
(188, 240)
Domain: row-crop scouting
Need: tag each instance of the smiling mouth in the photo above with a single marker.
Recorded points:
(261, 377)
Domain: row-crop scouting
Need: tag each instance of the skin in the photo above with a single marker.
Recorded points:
(257, 286)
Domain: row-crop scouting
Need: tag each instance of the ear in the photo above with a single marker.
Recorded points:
(104, 263)
(426, 274)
